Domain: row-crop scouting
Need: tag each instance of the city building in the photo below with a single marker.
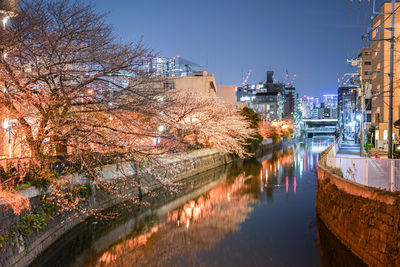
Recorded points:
(172, 67)
(202, 82)
(380, 82)
(228, 94)
(267, 98)
(290, 102)
(348, 110)
(330, 101)
(365, 73)
(308, 104)
(315, 114)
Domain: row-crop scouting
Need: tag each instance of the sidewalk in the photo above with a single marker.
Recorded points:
(349, 150)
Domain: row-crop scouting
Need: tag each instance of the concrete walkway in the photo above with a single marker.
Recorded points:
(349, 149)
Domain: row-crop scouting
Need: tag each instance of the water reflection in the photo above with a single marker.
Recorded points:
(195, 226)
(259, 213)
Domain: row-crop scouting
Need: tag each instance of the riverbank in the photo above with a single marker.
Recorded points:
(15, 253)
(190, 165)
(96, 236)
(365, 219)
(264, 208)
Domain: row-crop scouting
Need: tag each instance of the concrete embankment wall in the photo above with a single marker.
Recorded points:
(366, 220)
(190, 164)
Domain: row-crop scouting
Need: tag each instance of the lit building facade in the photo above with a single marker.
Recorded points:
(380, 82)
(365, 72)
(330, 101)
(347, 111)
(267, 99)
(171, 67)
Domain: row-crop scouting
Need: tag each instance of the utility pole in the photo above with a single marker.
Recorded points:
(390, 141)
(360, 66)
(359, 63)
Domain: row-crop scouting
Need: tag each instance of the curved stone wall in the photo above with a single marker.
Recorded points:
(366, 220)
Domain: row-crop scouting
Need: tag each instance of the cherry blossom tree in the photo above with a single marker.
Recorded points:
(276, 130)
(81, 99)
(198, 119)
(72, 86)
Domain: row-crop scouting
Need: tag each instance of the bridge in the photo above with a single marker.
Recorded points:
(315, 127)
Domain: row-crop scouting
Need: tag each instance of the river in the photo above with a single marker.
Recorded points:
(252, 213)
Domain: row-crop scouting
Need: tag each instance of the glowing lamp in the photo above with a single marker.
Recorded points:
(6, 124)
(5, 20)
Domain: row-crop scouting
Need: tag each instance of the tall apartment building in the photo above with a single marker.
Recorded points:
(365, 72)
(380, 81)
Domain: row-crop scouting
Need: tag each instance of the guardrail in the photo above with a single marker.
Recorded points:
(378, 173)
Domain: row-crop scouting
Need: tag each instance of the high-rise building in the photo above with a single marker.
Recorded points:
(308, 104)
(330, 101)
(172, 67)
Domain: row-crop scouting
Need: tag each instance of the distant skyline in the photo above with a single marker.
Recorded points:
(311, 38)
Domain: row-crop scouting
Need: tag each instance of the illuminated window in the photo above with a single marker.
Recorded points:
(385, 135)
(169, 85)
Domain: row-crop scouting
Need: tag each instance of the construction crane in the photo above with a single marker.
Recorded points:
(245, 79)
(289, 80)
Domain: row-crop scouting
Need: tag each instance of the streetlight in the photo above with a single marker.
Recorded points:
(5, 20)
(7, 126)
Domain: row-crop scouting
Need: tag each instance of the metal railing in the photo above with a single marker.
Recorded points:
(321, 130)
(373, 172)
(378, 173)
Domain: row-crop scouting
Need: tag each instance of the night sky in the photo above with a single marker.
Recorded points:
(310, 38)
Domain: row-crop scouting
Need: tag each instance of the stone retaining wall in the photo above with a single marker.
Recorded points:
(192, 163)
(366, 220)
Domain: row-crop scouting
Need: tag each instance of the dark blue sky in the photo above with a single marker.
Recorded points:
(310, 38)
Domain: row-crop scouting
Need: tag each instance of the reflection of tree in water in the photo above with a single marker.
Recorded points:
(201, 223)
(196, 226)
(273, 172)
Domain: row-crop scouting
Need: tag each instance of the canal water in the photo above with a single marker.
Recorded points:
(253, 213)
